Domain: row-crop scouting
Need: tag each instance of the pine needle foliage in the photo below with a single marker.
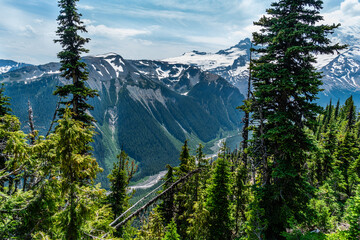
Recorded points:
(72, 67)
(286, 84)
(218, 202)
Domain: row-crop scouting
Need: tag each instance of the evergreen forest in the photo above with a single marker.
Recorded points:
(295, 175)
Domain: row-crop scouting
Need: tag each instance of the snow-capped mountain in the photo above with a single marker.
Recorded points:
(341, 71)
(231, 64)
(8, 65)
(147, 107)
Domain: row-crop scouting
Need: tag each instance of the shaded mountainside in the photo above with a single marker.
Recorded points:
(147, 107)
(341, 72)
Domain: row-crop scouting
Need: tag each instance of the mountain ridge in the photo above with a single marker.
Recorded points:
(148, 108)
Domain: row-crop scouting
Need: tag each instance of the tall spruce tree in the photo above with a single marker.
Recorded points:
(286, 84)
(70, 58)
(120, 177)
(184, 197)
(218, 202)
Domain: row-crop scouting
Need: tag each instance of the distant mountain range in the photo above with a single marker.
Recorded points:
(9, 65)
(147, 107)
(341, 72)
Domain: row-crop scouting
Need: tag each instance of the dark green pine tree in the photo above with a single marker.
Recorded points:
(218, 202)
(71, 65)
(185, 159)
(185, 196)
(350, 113)
(327, 162)
(4, 109)
(346, 155)
(286, 84)
(336, 114)
(119, 178)
(166, 208)
(4, 102)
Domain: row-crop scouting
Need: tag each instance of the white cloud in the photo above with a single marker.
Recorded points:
(27, 31)
(85, 7)
(348, 14)
(87, 21)
(350, 7)
(115, 33)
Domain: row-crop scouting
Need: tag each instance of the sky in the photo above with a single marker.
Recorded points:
(142, 29)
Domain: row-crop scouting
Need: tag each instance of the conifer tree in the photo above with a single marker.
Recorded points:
(346, 156)
(78, 170)
(328, 158)
(70, 58)
(166, 208)
(337, 108)
(119, 178)
(353, 216)
(218, 202)
(286, 84)
(185, 196)
(240, 195)
(4, 102)
(185, 158)
(350, 113)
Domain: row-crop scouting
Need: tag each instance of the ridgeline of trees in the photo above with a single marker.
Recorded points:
(297, 175)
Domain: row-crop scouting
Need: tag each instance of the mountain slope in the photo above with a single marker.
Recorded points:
(147, 107)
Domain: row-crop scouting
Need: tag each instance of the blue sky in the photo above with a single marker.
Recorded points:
(142, 29)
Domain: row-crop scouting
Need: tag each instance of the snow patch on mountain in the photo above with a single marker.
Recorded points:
(5, 69)
(118, 68)
(9, 65)
(162, 74)
(208, 60)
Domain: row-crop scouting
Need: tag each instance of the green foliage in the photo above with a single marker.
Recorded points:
(306, 236)
(218, 204)
(199, 221)
(286, 84)
(255, 224)
(167, 207)
(186, 196)
(119, 178)
(185, 159)
(340, 235)
(4, 102)
(154, 229)
(77, 172)
(171, 232)
(241, 195)
(347, 154)
(353, 215)
(323, 219)
(70, 58)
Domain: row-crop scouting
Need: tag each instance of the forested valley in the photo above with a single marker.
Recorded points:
(295, 175)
